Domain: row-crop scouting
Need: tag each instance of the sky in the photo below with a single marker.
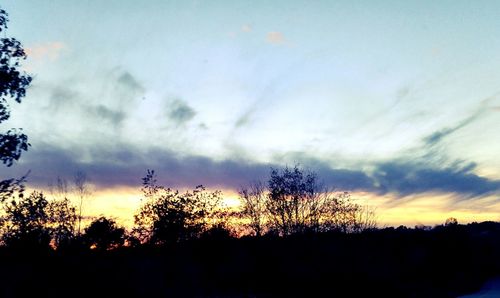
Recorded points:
(397, 102)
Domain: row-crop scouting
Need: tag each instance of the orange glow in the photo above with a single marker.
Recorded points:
(429, 209)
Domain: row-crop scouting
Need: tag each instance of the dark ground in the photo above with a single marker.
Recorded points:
(442, 262)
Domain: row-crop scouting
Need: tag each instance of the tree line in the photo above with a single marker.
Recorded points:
(291, 202)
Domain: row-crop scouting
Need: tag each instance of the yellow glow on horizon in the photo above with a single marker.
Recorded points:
(430, 209)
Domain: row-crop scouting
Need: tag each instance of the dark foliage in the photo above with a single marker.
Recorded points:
(169, 216)
(446, 261)
(33, 222)
(26, 222)
(10, 187)
(13, 84)
(104, 234)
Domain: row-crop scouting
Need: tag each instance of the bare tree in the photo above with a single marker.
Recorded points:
(295, 202)
(367, 218)
(254, 206)
(345, 215)
(83, 191)
(60, 189)
(291, 194)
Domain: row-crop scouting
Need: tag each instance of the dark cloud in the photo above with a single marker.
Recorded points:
(180, 112)
(407, 178)
(119, 166)
(101, 112)
(60, 97)
(122, 167)
(126, 79)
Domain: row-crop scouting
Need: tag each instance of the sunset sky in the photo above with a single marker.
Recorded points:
(395, 101)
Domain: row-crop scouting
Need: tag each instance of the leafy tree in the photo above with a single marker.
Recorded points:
(34, 221)
(169, 216)
(9, 187)
(62, 214)
(451, 222)
(25, 222)
(13, 84)
(104, 234)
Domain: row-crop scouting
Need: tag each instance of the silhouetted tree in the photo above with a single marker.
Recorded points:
(25, 221)
(451, 222)
(169, 216)
(60, 189)
(83, 191)
(9, 187)
(62, 214)
(294, 202)
(254, 208)
(366, 218)
(104, 234)
(344, 215)
(13, 84)
(34, 221)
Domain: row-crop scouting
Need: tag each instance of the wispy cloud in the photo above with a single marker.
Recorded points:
(179, 111)
(439, 135)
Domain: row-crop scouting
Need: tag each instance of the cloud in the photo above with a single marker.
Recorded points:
(121, 165)
(125, 167)
(407, 178)
(101, 112)
(180, 112)
(110, 99)
(126, 79)
(276, 38)
(437, 136)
